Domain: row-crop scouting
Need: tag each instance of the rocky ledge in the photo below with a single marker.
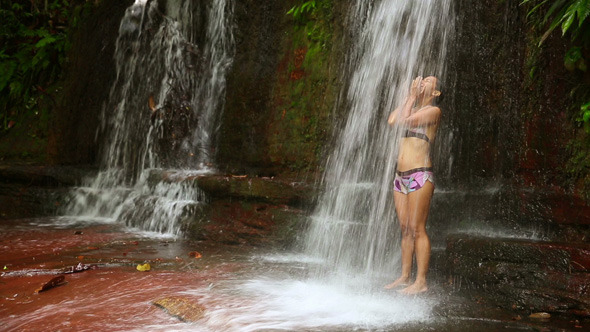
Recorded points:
(237, 209)
(36, 190)
(244, 209)
(263, 189)
(43, 175)
(522, 274)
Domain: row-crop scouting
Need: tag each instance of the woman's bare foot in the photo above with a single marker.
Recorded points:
(401, 281)
(415, 288)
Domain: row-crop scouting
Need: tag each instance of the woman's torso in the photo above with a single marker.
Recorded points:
(415, 151)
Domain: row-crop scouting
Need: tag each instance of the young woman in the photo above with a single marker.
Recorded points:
(414, 182)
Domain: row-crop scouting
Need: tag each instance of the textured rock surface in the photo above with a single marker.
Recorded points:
(91, 70)
(523, 274)
(184, 309)
(239, 222)
(32, 191)
(256, 188)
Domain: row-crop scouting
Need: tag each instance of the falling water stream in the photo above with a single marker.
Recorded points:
(161, 113)
(354, 226)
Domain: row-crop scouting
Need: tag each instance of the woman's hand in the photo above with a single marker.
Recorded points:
(415, 87)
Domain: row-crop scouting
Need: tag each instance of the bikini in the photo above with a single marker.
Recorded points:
(408, 181)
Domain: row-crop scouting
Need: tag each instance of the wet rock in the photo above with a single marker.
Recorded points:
(242, 209)
(522, 274)
(255, 188)
(43, 175)
(567, 209)
(35, 190)
(244, 222)
(21, 201)
(182, 308)
(89, 76)
(263, 189)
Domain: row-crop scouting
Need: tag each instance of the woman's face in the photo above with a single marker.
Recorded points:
(428, 85)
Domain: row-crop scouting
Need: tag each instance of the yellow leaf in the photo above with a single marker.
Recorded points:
(143, 267)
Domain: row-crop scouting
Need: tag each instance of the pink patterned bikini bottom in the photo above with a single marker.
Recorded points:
(412, 180)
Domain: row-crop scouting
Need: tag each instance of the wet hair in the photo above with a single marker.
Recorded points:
(439, 86)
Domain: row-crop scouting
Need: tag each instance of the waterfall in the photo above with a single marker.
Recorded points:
(354, 230)
(171, 62)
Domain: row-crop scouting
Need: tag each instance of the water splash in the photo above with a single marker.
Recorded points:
(295, 305)
(353, 226)
(171, 63)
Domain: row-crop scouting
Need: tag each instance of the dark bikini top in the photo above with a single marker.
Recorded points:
(418, 133)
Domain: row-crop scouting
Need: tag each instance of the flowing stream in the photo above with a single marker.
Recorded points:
(171, 59)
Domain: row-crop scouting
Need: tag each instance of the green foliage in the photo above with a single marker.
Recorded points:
(308, 94)
(298, 11)
(33, 45)
(564, 14)
(571, 16)
(314, 18)
(574, 59)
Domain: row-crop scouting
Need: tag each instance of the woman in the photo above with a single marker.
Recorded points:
(414, 182)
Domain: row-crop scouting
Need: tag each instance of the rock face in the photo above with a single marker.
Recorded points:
(281, 90)
(32, 191)
(508, 126)
(256, 188)
(283, 85)
(507, 123)
(522, 274)
(244, 210)
(91, 70)
(238, 222)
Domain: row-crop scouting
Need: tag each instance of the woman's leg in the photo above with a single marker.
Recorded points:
(419, 206)
(407, 245)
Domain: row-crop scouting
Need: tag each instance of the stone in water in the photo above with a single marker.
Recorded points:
(182, 308)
